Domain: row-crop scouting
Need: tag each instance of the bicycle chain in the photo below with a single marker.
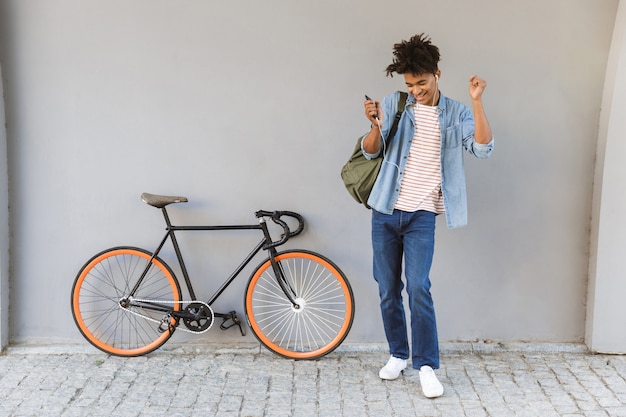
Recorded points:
(163, 321)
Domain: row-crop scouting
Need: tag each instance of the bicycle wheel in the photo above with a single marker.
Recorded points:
(99, 292)
(325, 306)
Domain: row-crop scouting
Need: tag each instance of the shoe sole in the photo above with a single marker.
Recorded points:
(390, 378)
(437, 395)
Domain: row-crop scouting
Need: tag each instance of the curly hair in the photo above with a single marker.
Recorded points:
(415, 56)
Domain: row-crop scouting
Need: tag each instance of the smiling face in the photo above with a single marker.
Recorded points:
(423, 87)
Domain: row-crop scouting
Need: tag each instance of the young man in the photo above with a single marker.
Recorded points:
(421, 176)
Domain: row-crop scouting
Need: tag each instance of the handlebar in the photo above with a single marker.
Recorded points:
(276, 218)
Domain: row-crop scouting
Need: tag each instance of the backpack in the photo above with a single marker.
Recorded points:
(359, 173)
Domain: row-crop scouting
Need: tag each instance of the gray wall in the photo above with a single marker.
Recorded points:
(248, 105)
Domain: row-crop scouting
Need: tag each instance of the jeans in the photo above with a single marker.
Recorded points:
(412, 235)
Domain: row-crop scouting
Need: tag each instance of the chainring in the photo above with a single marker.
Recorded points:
(203, 319)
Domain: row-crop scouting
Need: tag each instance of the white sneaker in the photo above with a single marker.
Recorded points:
(431, 387)
(393, 368)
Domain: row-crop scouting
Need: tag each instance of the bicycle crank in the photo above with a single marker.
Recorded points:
(197, 316)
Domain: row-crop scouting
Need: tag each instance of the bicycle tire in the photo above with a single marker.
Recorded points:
(100, 286)
(324, 296)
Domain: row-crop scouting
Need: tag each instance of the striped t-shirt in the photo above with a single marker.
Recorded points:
(420, 188)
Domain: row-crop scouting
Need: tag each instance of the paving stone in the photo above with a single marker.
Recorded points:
(256, 383)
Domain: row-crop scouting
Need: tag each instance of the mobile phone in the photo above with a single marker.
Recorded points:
(367, 98)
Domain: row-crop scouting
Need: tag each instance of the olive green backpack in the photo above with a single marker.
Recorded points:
(359, 173)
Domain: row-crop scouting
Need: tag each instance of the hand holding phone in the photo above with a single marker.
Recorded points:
(375, 108)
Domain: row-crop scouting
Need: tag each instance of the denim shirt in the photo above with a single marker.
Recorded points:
(457, 132)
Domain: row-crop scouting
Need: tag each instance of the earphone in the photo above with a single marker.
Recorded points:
(435, 95)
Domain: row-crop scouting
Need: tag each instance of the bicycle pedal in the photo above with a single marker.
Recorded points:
(232, 316)
(165, 327)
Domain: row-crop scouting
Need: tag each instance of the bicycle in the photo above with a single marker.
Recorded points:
(126, 301)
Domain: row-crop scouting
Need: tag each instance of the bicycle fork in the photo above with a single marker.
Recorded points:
(286, 286)
(279, 273)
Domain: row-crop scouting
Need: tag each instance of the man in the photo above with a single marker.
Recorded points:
(421, 176)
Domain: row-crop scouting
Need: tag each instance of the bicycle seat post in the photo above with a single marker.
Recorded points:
(167, 218)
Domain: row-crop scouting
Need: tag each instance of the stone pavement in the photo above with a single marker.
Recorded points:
(497, 381)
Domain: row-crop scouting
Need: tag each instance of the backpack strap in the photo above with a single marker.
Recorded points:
(401, 104)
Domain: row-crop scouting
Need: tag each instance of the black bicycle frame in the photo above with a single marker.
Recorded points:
(266, 243)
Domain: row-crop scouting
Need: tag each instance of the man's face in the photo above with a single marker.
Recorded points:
(423, 87)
